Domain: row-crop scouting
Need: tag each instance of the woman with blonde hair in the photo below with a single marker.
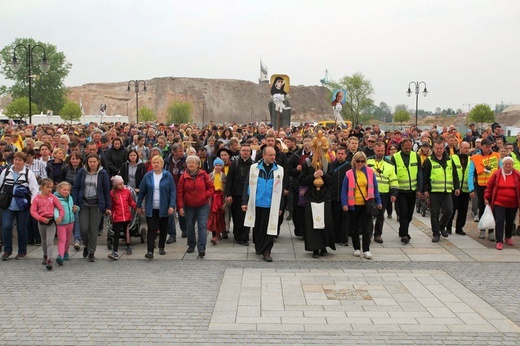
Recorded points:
(360, 186)
(158, 191)
(55, 165)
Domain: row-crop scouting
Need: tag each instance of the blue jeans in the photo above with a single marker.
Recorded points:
(76, 229)
(199, 214)
(8, 217)
(172, 228)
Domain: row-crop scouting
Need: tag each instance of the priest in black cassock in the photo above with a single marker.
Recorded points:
(319, 225)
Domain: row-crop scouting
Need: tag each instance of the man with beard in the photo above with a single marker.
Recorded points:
(386, 183)
(233, 190)
(338, 169)
(295, 166)
(461, 202)
(409, 177)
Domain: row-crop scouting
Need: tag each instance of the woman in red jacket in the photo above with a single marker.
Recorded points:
(121, 214)
(503, 195)
(194, 190)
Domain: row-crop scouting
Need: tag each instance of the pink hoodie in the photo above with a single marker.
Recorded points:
(43, 207)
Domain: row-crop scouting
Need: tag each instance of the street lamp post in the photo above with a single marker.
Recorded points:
(409, 93)
(16, 64)
(136, 85)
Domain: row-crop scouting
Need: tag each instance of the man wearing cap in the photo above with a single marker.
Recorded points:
(482, 166)
(410, 179)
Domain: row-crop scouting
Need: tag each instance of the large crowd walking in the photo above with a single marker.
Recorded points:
(240, 182)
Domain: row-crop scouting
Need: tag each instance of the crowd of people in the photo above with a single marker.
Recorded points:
(334, 184)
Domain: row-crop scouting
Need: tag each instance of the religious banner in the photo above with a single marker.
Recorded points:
(279, 106)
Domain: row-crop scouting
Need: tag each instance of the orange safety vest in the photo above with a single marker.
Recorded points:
(485, 166)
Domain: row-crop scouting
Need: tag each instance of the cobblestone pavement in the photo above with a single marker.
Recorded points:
(180, 299)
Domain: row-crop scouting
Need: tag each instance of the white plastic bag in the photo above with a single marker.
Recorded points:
(487, 221)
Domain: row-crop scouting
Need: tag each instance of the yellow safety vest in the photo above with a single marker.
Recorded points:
(385, 175)
(407, 175)
(516, 161)
(462, 172)
(441, 179)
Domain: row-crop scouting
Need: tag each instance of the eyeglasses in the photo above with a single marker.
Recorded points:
(371, 141)
(360, 161)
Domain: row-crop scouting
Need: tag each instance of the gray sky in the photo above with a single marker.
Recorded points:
(466, 51)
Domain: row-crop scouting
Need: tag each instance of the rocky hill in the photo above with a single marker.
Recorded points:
(220, 100)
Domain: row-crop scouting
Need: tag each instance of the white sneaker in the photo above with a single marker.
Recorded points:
(368, 255)
(482, 234)
(357, 253)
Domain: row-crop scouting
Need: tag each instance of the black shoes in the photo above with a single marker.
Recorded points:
(183, 234)
(323, 252)
(242, 242)
(436, 238)
(405, 239)
(91, 257)
(85, 252)
(171, 240)
(162, 252)
(190, 249)
(315, 254)
(202, 254)
(444, 233)
(149, 255)
(267, 256)
(460, 232)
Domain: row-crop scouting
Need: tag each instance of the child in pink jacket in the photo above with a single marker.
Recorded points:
(42, 209)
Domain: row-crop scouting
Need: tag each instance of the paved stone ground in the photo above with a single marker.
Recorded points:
(179, 298)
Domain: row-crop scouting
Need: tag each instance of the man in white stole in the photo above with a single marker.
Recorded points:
(262, 201)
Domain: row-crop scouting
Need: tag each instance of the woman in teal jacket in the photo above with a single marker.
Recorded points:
(159, 203)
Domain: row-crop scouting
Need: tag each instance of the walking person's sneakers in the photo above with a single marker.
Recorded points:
(149, 255)
(509, 241)
(20, 256)
(44, 261)
(49, 265)
(357, 253)
(113, 256)
(59, 260)
(368, 255)
(128, 250)
(476, 218)
(482, 234)
(171, 240)
(91, 257)
(76, 245)
(500, 246)
(491, 236)
(444, 233)
(6, 256)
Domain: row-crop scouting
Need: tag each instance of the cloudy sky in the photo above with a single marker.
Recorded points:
(466, 51)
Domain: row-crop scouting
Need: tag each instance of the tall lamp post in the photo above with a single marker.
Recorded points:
(136, 83)
(409, 93)
(16, 64)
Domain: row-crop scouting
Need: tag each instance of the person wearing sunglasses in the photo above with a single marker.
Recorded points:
(360, 185)
(369, 148)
